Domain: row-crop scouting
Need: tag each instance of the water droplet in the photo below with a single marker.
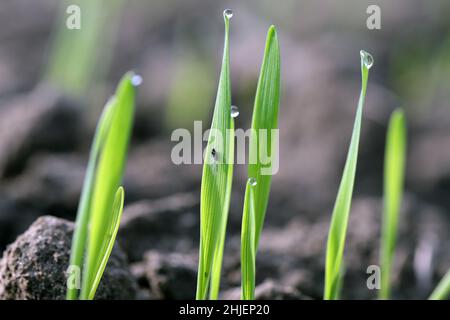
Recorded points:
(228, 13)
(136, 80)
(366, 58)
(252, 181)
(234, 111)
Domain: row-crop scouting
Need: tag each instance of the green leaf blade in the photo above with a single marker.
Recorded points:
(339, 220)
(265, 119)
(216, 183)
(108, 176)
(394, 168)
(263, 160)
(248, 234)
(83, 213)
(109, 241)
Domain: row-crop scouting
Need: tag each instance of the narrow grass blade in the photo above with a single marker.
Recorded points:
(216, 182)
(339, 220)
(81, 224)
(108, 175)
(218, 255)
(263, 160)
(263, 157)
(394, 168)
(340, 282)
(110, 238)
(248, 254)
(442, 290)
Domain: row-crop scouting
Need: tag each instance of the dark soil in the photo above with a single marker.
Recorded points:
(35, 265)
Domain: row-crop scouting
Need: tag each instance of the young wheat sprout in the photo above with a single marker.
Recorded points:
(394, 167)
(101, 201)
(341, 211)
(216, 182)
(265, 117)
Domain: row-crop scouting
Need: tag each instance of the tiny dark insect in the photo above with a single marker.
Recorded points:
(213, 152)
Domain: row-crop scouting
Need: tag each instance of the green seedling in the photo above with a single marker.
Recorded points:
(265, 119)
(394, 168)
(101, 201)
(218, 168)
(339, 220)
(216, 182)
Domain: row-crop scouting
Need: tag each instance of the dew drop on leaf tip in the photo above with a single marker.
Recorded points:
(136, 80)
(234, 111)
(367, 59)
(228, 13)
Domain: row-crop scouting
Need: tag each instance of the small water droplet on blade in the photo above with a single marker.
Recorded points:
(234, 111)
(366, 58)
(252, 181)
(136, 80)
(228, 13)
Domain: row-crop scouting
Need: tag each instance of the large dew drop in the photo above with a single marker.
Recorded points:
(136, 80)
(234, 111)
(366, 58)
(227, 13)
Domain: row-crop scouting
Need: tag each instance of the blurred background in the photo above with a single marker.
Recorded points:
(54, 83)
